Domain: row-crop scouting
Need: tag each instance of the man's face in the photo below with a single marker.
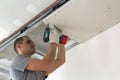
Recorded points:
(27, 46)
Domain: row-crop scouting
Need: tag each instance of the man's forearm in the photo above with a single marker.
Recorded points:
(61, 52)
(50, 56)
(59, 60)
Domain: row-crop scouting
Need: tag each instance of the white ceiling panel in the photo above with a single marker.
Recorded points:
(83, 19)
(15, 13)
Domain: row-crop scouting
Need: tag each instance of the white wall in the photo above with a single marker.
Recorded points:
(4, 76)
(96, 59)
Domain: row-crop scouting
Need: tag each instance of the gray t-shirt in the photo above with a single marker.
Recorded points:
(18, 69)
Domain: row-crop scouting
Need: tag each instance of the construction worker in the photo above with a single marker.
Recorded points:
(23, 67)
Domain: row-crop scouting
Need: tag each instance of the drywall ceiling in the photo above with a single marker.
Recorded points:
(15, 13)
(84, 19)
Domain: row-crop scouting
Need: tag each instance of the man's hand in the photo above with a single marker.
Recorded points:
(63, 39)
(54, 35)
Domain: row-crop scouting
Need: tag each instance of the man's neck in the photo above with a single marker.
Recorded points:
(26, 54)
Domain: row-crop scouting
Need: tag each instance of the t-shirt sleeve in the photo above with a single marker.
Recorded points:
(20, 62)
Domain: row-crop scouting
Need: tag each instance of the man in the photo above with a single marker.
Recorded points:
(23, 67)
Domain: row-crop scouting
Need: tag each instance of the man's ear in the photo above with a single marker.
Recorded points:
(18, 46)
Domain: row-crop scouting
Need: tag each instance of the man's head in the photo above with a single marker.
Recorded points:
(24, 45)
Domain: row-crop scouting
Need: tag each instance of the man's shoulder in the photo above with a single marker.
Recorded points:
(19, 59)
(16, 58)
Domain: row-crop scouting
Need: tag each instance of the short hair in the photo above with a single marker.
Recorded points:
(18, 41)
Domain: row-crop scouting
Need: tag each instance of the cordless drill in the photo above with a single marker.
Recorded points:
(62, 39)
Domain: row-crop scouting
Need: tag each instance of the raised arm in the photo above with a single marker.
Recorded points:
(59, 60)
(48, 61)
